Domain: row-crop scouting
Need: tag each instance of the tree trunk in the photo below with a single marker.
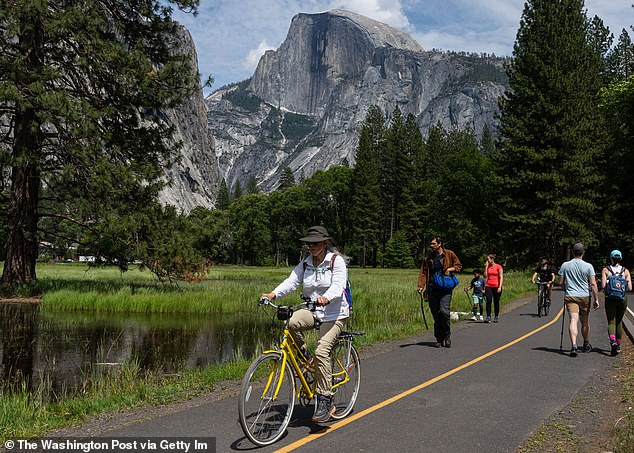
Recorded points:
(22, 244)
(21, 240)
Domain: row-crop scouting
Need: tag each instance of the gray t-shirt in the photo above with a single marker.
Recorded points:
(577, 272)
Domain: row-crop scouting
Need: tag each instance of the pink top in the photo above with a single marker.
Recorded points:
(493, 276)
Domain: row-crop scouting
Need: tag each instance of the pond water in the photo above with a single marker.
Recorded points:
(63, 350)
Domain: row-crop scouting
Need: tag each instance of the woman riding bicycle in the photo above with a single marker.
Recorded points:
(323, 276)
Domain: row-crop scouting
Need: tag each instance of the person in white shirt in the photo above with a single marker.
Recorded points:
(580, 285)
(323, 276)
(615, 300)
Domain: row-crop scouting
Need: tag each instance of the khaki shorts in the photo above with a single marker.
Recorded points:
(579, 305)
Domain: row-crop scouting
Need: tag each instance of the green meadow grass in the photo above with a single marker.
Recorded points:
(386, 307)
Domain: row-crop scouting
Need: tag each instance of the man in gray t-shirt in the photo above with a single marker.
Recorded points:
(580, 285)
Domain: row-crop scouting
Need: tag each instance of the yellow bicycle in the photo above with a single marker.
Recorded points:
(269, 387)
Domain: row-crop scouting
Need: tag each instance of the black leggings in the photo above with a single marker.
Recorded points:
(492, 294)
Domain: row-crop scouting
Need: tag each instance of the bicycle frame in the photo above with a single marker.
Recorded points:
(290, 353)
(288, 348)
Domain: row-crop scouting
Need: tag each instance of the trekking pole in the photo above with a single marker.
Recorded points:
(561, 341)
(466, 292)
(422, 309)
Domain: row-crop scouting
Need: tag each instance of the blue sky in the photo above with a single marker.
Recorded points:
(231, 35)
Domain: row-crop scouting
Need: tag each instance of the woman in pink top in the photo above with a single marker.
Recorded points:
(494, 275)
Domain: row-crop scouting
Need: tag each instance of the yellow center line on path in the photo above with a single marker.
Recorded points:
(387, 402)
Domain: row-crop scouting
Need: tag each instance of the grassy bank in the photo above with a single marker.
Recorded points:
(386, 305)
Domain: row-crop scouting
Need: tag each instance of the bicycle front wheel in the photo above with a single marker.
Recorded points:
(540, 301)
(346, 378)
(266, 399)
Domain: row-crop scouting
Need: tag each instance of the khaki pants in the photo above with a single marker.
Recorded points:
(328, 332)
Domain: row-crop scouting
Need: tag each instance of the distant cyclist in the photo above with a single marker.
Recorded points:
(545, 273)
(323, 275)
(615, 281)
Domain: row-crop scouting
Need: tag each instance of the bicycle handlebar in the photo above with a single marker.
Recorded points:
(307, 302)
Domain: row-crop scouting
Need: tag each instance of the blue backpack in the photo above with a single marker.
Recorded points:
(347, 291)
(615, 285)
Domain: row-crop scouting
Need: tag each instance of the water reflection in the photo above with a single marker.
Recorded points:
(64, 350)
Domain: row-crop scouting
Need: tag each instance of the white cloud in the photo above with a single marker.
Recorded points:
(252, 59)
(387, 11)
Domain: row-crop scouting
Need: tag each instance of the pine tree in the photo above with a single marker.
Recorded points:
(411, 207)
(551, 133)
(620, 60)
(287, 179)
(396, 164)
(81, 89)
(366, 202)
(237, 191)
(222, 202)
(252, 185)
(618, 103)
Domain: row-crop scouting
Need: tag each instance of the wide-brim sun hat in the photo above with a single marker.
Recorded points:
(616, 254)
(316, 234)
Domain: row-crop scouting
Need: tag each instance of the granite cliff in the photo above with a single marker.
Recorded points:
(304, 104)
(195, 175)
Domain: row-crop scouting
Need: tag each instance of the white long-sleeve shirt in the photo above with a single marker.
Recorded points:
(320, 280)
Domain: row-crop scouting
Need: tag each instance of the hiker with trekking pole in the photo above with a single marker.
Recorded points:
(436, 282)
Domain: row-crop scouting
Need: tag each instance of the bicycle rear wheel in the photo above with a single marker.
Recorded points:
(264, 411)
(346, 377)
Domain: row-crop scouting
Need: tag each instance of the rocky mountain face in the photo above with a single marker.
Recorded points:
(194, 177)
(305, 103)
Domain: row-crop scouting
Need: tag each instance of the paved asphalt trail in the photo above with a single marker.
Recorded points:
(489, 406)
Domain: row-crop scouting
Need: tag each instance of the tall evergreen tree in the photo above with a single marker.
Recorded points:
(620, 60)
(413, 200)
(252, 185)
(287, 179)
(81, 88)
(618, 103)
(222, 202)
(366, 203)
(237, 191)
(551, 133)
(396, 164)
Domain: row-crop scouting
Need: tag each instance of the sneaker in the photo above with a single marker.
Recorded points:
(618, 347)
(573, 351)
(488, 319)
(474, 318)
(323, 409)
(447, 342)
(495, 319)
(438, 343)
(614, 348)
(587, 347)
(481, 318)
